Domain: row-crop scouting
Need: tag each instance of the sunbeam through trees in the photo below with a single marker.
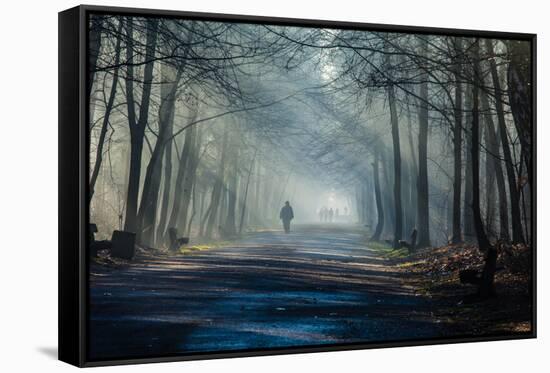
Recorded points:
(324, 166)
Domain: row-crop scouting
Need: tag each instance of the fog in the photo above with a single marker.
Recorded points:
(211, 127)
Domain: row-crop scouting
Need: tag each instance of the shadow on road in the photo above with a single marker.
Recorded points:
(317, 285)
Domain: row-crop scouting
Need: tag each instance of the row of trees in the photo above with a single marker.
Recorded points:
(153, 83)
(208, 127)
(464, 105)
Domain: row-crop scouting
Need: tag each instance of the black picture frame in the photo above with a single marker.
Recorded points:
(73, 185)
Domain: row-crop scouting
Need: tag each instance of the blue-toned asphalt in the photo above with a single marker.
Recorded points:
(317, 285)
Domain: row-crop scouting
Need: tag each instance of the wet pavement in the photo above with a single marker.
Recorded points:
(317, 285)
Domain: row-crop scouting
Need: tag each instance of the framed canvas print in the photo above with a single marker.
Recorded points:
(237, 186)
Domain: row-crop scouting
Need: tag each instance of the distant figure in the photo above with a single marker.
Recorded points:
(323, 214)
(345, 210)
(336, 214)
(330, 215)
(286, 216)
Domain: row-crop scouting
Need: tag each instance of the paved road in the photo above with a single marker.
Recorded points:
(317, 285)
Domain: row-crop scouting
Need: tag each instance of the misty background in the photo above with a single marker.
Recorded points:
(210, 127)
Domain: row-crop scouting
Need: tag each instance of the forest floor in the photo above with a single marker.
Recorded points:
(434, 273)
(318, 285)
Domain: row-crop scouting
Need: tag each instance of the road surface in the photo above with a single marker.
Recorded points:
(317, 285)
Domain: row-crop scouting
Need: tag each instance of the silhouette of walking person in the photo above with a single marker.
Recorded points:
(286, 215)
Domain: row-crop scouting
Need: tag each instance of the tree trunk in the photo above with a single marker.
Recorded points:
(106, 117)
(166, 188)
(201, 212)
(94, 47)
(482, 238)
(398, 227)
(257, 211)
(423, 216)
(137, 127)
(190, 177)
(469, 229)
(387, 199)
(457, 145)
(519, 92)
(267, 192)
(378, 197)
(241, 223)
(183, 169)
(413, 172)
(205, 216)
(230, 228)
(486, 285)
(493, 157)
(149, 197)
(408, 222)
(218, 187)
(517, 234)
(222, 209)
(367, 202)
(194, 209)
(490, 177)
(359, 203)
